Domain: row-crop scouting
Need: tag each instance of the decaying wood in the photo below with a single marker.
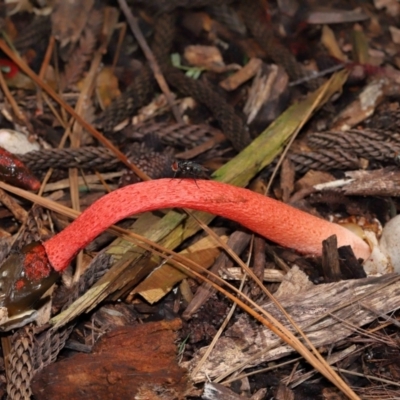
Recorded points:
(330, 260)
(381, 182)
(127, 363)
(350, 267)
(318, 311)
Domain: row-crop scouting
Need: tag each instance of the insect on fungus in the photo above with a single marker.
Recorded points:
(189, 169)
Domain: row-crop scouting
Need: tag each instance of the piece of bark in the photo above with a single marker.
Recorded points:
(330, 260)
(126, 363)
(350, 267)
(243, 75)
(294, 282)
(267, 95)
(319, 311)
(381, 182)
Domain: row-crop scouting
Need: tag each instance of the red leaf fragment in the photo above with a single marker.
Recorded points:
(8, 68)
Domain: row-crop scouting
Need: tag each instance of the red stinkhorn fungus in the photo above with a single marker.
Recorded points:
(272, 219)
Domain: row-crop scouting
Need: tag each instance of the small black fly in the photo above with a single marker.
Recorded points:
(189, 169)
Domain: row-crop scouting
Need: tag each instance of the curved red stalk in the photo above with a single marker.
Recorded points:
(272, 219)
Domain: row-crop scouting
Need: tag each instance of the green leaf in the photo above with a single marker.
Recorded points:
(176, 60)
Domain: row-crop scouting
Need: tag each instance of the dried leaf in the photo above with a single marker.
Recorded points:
(328, 39)
(69, 18)
(106, 87)
(360, 45)
(162, 280)
(312, 178)
(83, 52)
(208, 57)
(269, 84)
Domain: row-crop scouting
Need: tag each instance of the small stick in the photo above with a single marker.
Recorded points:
(17, 111)
(121, 36)
(42, 73)
(330, 260)
(19, 213)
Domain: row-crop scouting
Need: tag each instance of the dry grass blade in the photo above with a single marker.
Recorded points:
(14, 105)
(298, 377)
(43, 71)
(372, 377)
